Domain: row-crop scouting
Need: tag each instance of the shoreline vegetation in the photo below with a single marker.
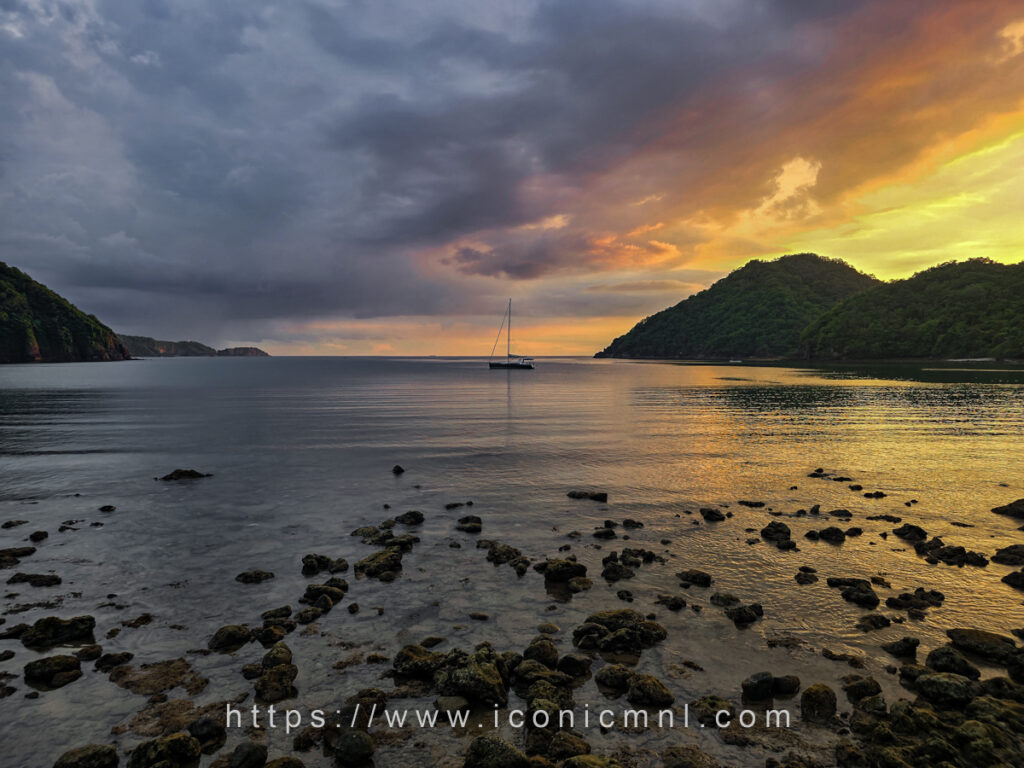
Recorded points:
(954, 717)
(39, 326)
(806, 307)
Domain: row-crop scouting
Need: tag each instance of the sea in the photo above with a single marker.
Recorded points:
(300, 452)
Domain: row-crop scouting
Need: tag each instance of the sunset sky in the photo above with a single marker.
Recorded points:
(379, 177)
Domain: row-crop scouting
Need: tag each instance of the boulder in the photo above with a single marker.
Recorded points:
(947, 690)
(946, 658)
(987, 645)
(229, 638)
(648, 691)
(53, 671)
(248, 755)
(489, 751)
(1011, 555)
(775, 531)
(758, 686)
(818, 704)
(176, 751)
(89, 756)
(1013, 509)
(51, 630)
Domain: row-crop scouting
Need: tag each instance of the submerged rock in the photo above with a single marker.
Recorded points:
(89, 756)
(254, 577)
(229, 638)
(988, 645)
(51, 630)
(469, 524)
(53, 671)
(601, 496)
(648, 691)
(1011, 555)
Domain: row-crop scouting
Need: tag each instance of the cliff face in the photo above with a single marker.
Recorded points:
(144, 346)
(37, 325)
(759, 310)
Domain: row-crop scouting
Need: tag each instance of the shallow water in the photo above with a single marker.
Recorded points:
(301, 451)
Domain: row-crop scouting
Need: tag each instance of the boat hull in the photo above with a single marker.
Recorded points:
(512, 366)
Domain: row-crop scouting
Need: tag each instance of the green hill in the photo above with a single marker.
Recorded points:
(968, 309)
(760, 310)
(37, 325)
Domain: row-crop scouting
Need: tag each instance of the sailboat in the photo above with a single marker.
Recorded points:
(510, 361)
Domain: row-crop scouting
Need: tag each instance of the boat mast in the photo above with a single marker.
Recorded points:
(508, 338)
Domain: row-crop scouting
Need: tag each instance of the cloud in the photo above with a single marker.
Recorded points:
(224, 170)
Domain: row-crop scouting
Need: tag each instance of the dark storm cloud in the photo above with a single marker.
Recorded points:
(182, 165)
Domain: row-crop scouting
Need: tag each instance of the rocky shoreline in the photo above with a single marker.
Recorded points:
(962, 702)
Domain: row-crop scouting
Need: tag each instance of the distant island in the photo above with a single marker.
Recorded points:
(37, 325)
(809, 307)
(144, 346)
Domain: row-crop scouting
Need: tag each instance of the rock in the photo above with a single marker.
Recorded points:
(279, 654)
(351, 747)
(946, 689)
(672, 602)
(184, 474)
(229, 638)
(565, 745)
(859, 687)
(276, 683)
(397, 469)
(873, 621)
(1015, 579)
(542, 649)
(476, 676)
(491, 752)
(88, 653)
(614, 677)
(286, 762)
(832, 535)
(50, 631)
(35, 579)
(687, 756)
(254, 577)
(176, 751)
(631, 524)
(416, 661)
(818, 704)
(248, 755)
(775, 531)
(905, 647)
(562, 570)
(742, 615)
(785, 685)
(988, 645)
(911, 533)
(574, 665)
(601, 496)
(857, 591)
(210, 734)
(919, 600)
(1013, 509)
(616, 571)
(805, 578)
(412, 517)
(946, 658)
(579, 584)
(469, 524)
(758, 686)
(108, 661)
(157, 677)
(383, 565)
(37, 536)
(89, 756)
(648, 691)
(1011, 555)
(712, 515)
(693, 576)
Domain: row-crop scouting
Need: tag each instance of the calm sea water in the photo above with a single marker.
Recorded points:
(301, 451)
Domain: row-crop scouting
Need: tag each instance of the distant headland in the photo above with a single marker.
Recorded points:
(39, 326)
